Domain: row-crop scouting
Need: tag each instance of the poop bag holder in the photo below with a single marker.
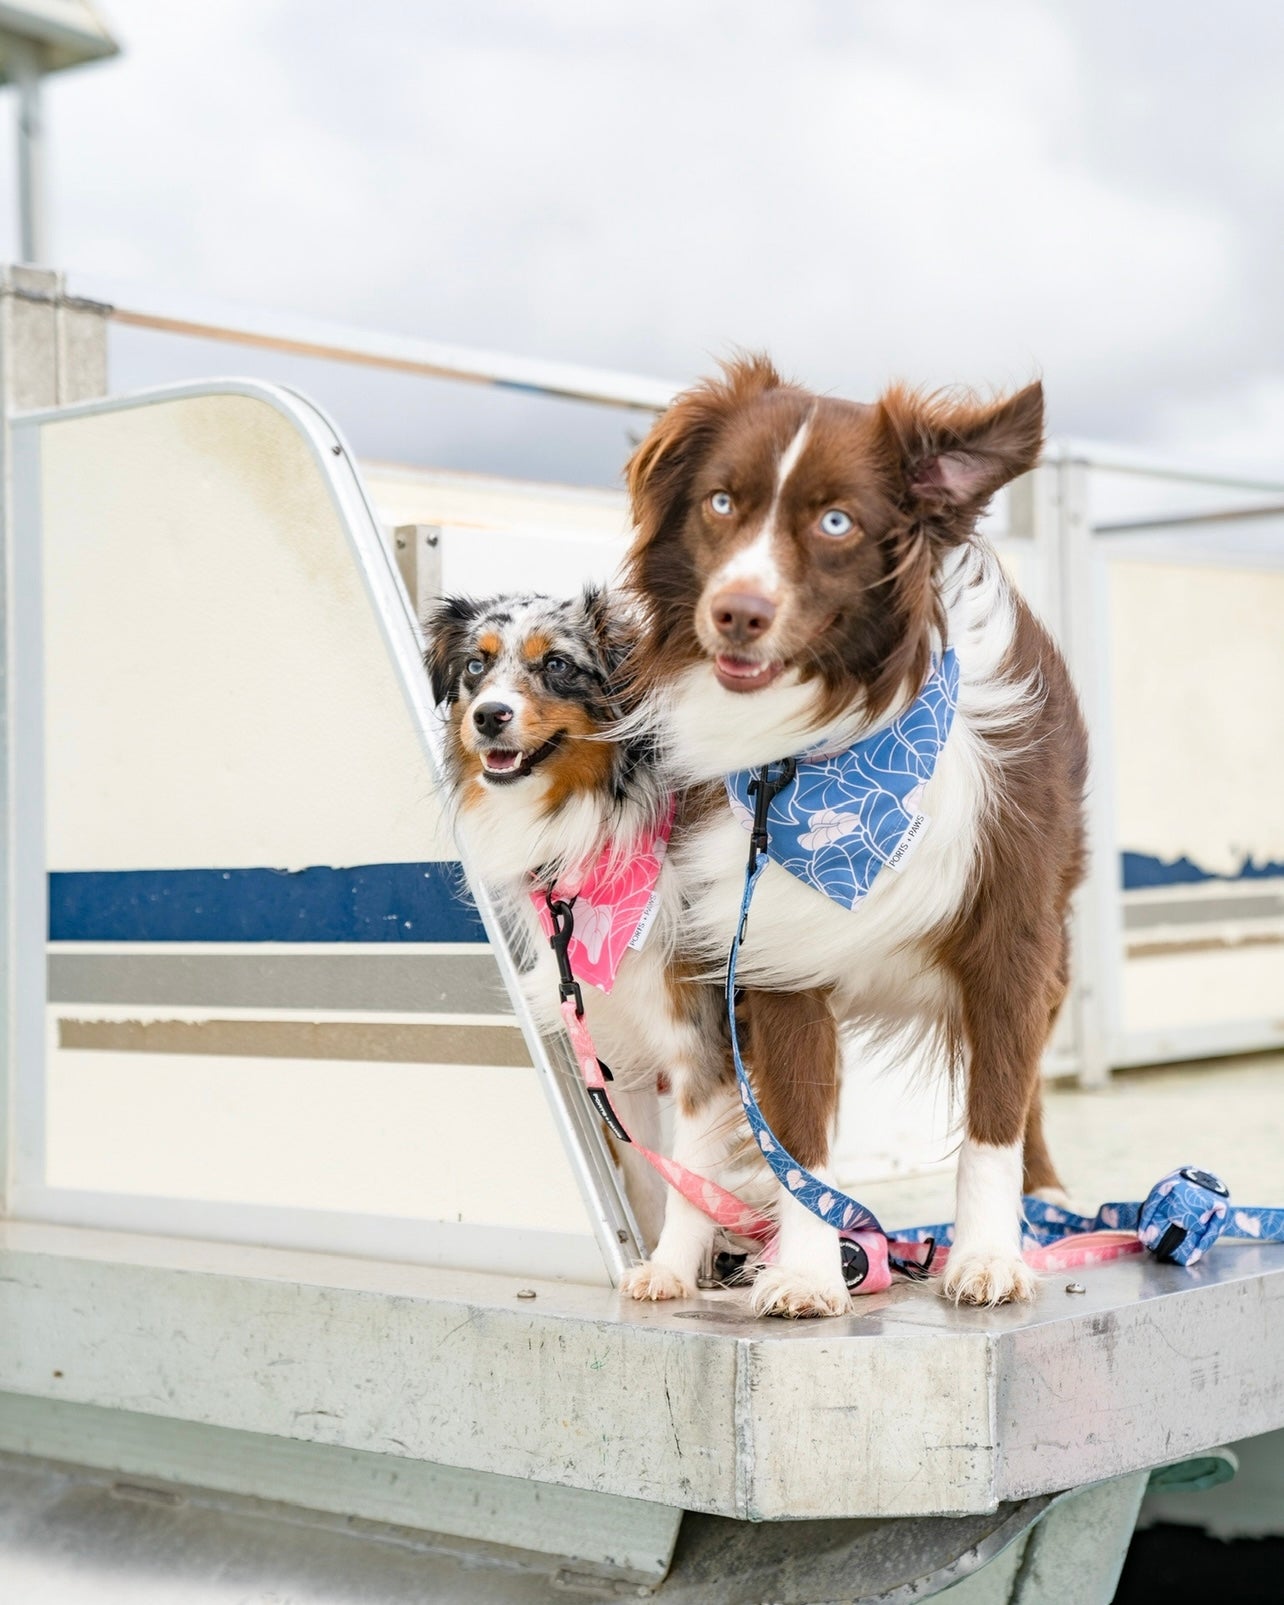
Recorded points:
(1184, 1215)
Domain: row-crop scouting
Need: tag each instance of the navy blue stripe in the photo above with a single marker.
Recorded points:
(369, 903)
(1144, 869)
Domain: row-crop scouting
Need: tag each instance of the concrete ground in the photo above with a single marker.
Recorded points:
(1224, 1115)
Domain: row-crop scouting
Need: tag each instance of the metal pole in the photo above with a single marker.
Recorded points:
(25, 70)
(1098, 913)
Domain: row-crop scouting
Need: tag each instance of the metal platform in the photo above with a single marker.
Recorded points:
(909, 1408)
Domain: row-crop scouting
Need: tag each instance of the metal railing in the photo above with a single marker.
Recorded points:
(395, 353)
(1052, 508)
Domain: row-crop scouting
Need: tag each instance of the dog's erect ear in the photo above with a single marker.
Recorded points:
(950, 456)
(613, 628)
(447, 629)
(662, 465)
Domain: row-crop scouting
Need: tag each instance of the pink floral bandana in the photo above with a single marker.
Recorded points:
(615, 902)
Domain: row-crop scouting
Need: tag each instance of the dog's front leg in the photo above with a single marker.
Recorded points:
(1005, 1027)
(706, 1126)
(794, 1057)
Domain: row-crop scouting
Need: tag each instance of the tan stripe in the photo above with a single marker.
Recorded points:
(303, 1039)
(1203, 944)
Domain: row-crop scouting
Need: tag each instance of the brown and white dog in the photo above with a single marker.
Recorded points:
(539, 788)
(799, 559)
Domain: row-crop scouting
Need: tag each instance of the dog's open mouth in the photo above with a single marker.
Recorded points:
(511, 763)
(744, 674)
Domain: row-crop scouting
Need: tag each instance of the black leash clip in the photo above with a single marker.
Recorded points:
(562, 915)
(767, 784)
(764, 788)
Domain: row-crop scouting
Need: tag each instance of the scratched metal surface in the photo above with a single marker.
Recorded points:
(908, 1408)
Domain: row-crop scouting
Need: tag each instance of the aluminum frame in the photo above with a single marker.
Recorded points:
(610, 1217)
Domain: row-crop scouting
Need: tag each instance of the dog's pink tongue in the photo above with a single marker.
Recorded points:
(744, 675)
(745, 669)
(500, 762)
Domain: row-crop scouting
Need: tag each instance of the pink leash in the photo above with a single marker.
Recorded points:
(716, 1202)
(726, 1210)
(877, 1255)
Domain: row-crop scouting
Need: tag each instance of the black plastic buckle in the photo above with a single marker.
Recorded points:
(562, 915)
(764, 788)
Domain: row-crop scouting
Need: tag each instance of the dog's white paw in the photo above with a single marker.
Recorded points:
(988, 1276)
(777, 1291)
(655, 1281)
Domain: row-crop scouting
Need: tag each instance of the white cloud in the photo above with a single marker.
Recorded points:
(970, 194)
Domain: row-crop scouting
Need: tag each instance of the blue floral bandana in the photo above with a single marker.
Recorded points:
(847, 815)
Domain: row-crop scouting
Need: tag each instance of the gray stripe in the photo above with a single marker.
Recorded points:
(1264, 905)
(392, 983)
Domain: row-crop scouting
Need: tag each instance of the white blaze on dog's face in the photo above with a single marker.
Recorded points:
(526, 681)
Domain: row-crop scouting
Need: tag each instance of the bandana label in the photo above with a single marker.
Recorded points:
(847, 814)
(638, 940)
(909, 841)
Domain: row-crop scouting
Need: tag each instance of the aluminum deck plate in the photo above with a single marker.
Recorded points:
(909, 1407)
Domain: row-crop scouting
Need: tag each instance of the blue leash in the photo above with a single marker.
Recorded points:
(1179, 1220)
(822, 1198)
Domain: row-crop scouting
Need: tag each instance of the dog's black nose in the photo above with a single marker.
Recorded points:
(741, 616)
(491, 717)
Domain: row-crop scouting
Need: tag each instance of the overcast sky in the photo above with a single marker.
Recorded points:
(940, 192)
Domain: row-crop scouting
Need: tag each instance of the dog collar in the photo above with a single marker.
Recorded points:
(845, 816)
(615, 900)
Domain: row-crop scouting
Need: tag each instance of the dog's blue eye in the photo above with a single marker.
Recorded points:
(720, 502)
(557, 665)
(475, 666)
(836, 522)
